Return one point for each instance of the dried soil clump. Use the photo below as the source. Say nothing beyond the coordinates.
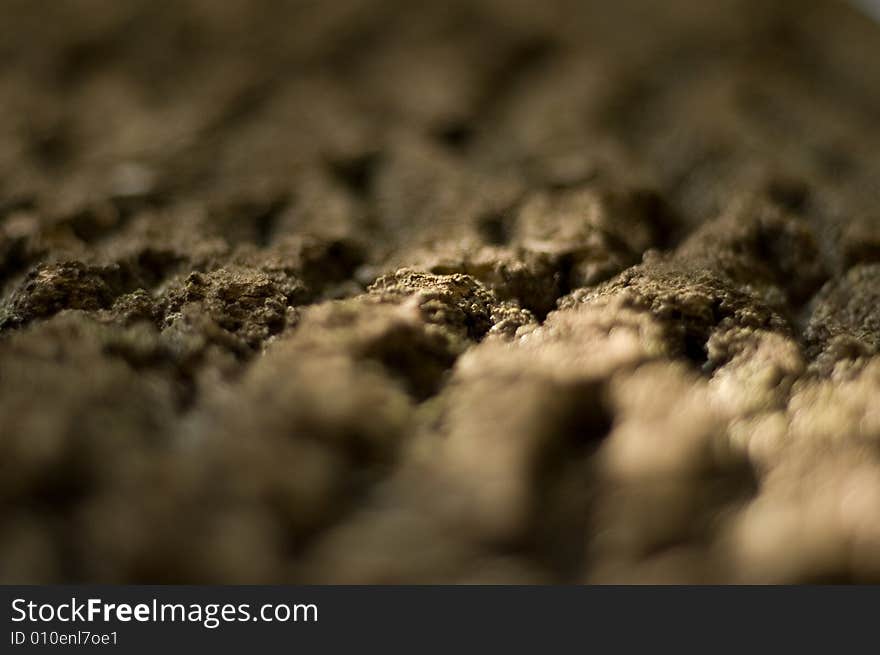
(470, 291)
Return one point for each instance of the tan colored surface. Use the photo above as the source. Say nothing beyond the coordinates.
(490, 291)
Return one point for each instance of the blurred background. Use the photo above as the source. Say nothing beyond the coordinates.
(871, 6)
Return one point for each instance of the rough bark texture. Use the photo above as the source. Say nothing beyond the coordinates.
(486, 291)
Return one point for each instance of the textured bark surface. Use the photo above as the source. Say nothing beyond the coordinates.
(485, 291)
